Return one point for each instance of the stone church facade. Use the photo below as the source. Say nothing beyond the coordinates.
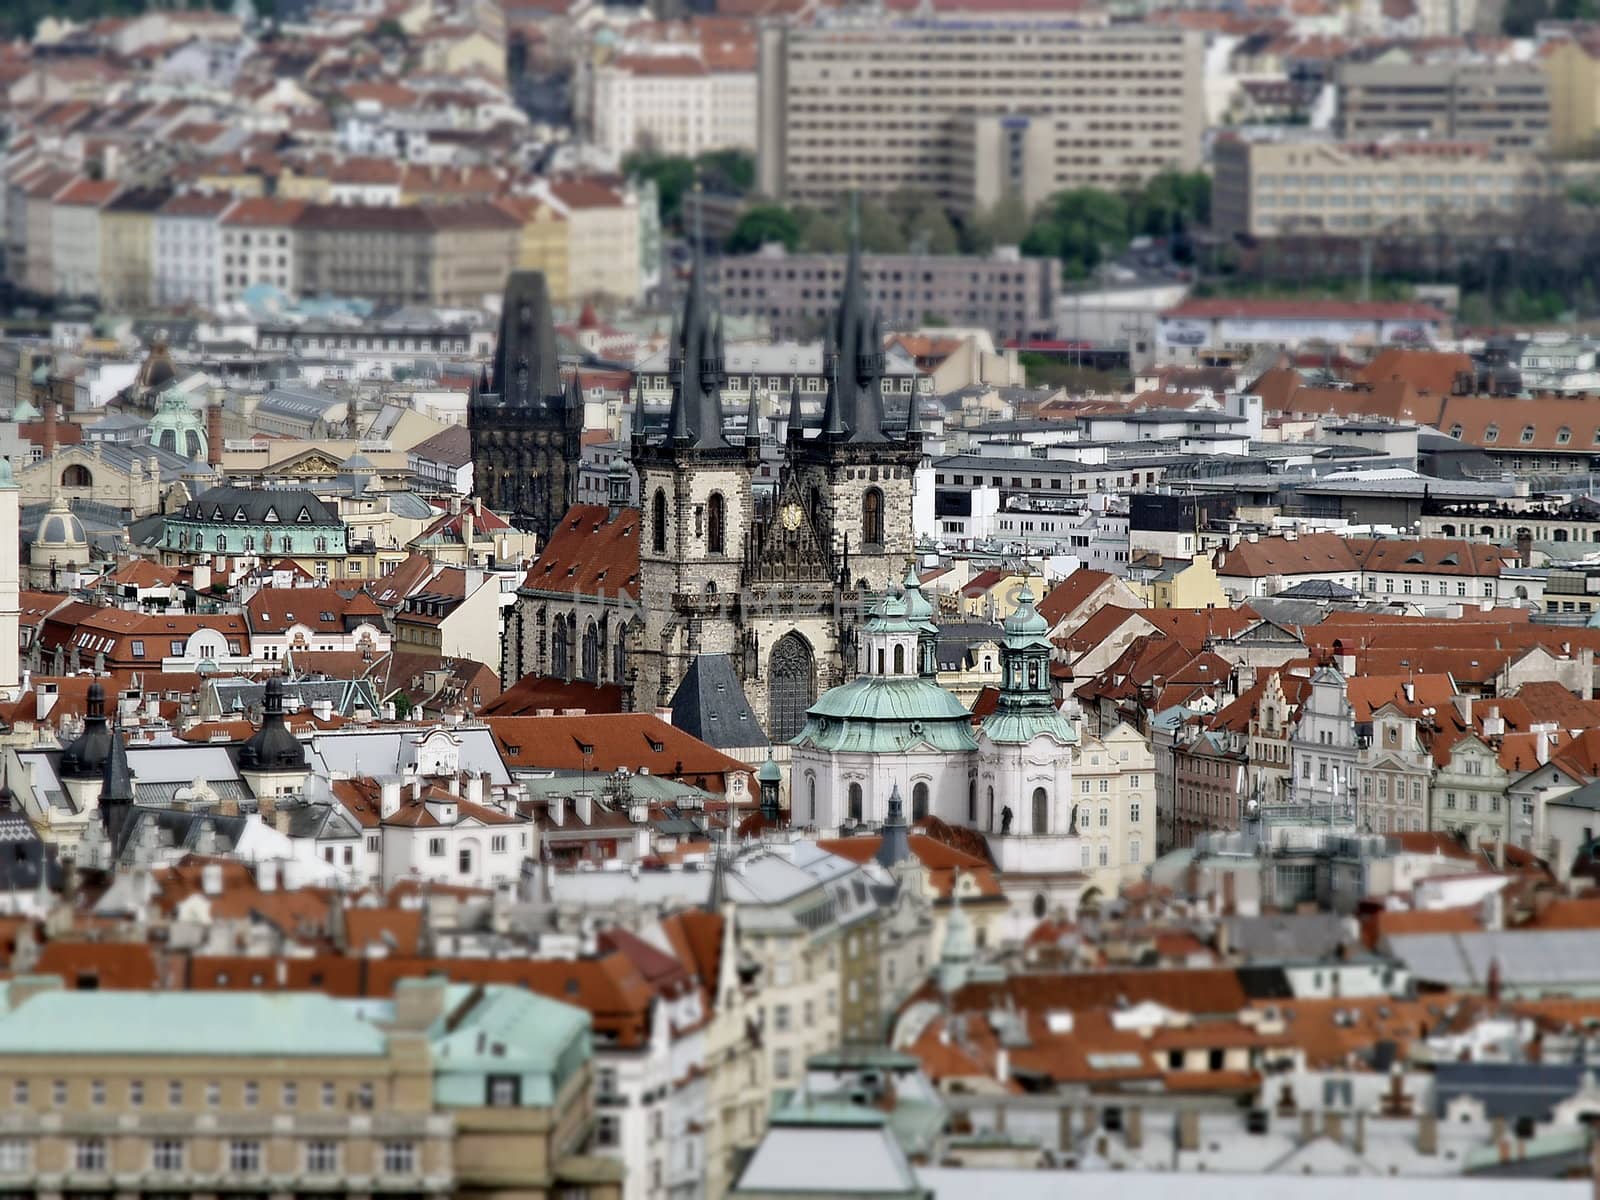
(526, 428)
(780, 586)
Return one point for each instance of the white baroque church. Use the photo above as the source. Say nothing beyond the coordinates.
(892, 728)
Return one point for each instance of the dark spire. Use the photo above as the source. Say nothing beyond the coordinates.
(696, 365)
(86, 757)
(273, 748)
(833, 425)
(796, 431)
(752, 421)
(116, 789)
(860, 369)
(527, 369)
(895, 846)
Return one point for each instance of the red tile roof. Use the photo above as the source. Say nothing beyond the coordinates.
(590, 553)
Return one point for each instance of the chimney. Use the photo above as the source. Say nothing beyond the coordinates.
(557, 810)
(1428, 1134)
(49, 426)
(267, 875)
(1410, 690)
(214, 433)
(1133, 1127)
(1541, 745)
(1525, 549)
(584, 807)
(1464, 708)
(1358, 1141)
(466, 532)
(211, 878)
(1308, 1126)
(1002, 1064)
(1188, 1130)
(388, 798)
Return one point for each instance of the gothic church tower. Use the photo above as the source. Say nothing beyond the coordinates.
(694, 491)
(526, 429)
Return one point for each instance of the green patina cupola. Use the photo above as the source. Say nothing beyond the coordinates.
(919, 611)
(1026, 707)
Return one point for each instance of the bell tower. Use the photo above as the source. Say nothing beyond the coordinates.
(695, 506)
(859, 469)
(526, 429)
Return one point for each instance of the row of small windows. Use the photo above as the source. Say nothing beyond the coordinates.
(92, 1154)
(285, 544)
(1491, 433)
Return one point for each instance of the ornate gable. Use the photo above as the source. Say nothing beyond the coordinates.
(786, 546)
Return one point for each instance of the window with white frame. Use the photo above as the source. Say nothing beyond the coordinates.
(15, 1154)
(89, 1154)
(399, 1158)
(244, 1156)
(322, 1158)
(166, 1154)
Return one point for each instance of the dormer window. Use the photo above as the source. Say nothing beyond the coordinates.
(272, 516)
(1491, 432)
(304, 518)
(1527, 433)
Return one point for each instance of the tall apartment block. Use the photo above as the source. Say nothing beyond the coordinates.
(1506, 105)
(969, 110)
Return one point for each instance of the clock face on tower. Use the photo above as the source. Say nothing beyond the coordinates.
(791, 517)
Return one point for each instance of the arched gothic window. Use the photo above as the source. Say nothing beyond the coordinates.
(792, 686)
(716, 520)
(872, 518)
(899, 660)
(919, 802)
(658, 522)
(1041, 811)
(591, 653)
(619, 657)
(561, 649)
(855, 802)
(972, 802)
(811, 793)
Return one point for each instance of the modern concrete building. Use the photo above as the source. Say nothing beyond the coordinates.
(1011, 296)
(971, 110)
(1282, 187)
(1504, 104)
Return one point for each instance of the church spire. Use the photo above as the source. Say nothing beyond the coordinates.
(860, 357)
(833, 425)
(696, 363)
(116, 791)
(796, 431)
(527, 369)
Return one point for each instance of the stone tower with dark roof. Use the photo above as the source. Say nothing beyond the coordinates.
(526, 427)
(776, 588)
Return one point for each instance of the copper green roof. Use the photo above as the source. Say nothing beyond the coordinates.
(1015, 728)
(880, 714)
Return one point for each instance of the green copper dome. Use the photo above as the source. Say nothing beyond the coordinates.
(882, 714)
(919, 610)
(1025, 627)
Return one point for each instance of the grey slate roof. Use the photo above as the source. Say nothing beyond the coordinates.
(254, 503)
(710, 704)
(1507, 1090)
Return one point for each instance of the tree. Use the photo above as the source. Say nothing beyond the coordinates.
(880, 231)
(762, 224)
(930, 230)
(821, 232)
(1005, 224)
(672, 175)
(732, 172)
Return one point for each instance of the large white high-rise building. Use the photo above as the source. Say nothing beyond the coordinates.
(972, 110)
